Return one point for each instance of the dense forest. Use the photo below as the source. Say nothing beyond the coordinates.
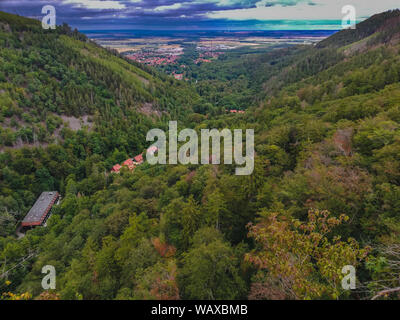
(325, 191)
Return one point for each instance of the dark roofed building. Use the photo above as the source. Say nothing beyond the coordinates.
(40, 211)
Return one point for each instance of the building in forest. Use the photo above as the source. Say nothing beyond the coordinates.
(138, 159)
(131, 164)
(41, 210)
(116, 168)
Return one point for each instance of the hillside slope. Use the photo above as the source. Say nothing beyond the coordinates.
(324, 194)
(303, 62)
(384, 26)
(46, 74)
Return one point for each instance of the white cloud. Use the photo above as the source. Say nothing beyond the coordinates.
(96, 4)
(305, 10)
(170, 7)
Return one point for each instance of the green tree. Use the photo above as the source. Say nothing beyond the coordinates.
(210, 269)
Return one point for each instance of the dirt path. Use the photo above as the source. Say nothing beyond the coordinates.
(18, 232)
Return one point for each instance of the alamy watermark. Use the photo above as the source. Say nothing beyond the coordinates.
(49, 280)
(349, 280)
(188, 153)
(350, 17)
(49, 20)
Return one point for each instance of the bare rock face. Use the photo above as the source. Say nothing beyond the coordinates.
(5, 27)
(342, 141)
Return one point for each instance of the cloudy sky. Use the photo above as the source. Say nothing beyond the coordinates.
(200, 14)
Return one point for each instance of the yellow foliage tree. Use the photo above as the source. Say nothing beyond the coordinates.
(302, 260)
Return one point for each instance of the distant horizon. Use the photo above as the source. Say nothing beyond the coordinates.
(210, 31)
(230, 26)
(228, 30)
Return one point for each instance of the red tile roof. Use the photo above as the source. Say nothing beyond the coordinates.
(178, 76)
(130, 164)
(236, 111)
(152, 149)
(116, 168)
(139, 158)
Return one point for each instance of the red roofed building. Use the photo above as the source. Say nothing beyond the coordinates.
(178, 76)
(236, 111)
(152, 150)
(138, 159)
(116, 168)
(130, 164)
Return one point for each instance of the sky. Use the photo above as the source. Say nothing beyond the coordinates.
(200, 14)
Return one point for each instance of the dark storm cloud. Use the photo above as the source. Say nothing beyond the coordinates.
(77, 11)
(130, 13)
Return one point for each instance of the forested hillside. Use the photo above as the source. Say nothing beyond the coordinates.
(325, 191)
(50, 77)
(384, 26)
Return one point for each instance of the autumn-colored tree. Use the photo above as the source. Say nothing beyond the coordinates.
(48, 295)
(163, 248)
(14, 296)
(302, 260)
(158, 282)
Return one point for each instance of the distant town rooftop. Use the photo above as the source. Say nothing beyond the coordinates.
(40, 210)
